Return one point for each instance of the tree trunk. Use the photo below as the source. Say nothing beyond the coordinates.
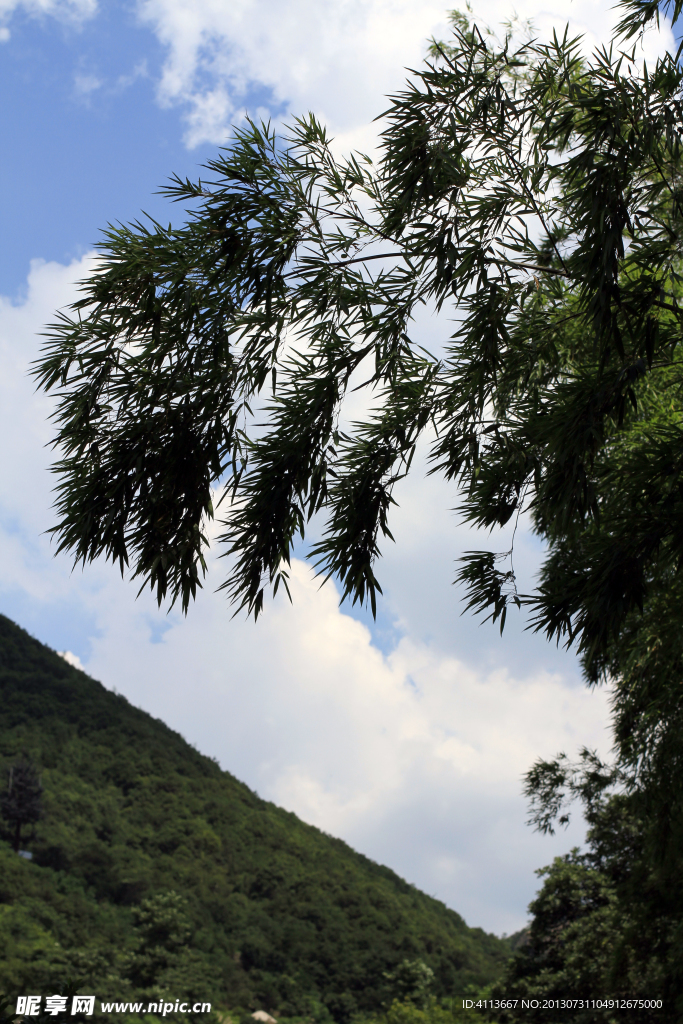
(17, 837)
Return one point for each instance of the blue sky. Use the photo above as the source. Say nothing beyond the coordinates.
(389, 734)
(89, 143)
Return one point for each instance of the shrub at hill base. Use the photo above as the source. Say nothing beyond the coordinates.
(606, 935)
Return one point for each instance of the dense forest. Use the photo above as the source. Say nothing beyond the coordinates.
(153, 871)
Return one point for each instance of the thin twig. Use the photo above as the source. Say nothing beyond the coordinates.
(389, 255)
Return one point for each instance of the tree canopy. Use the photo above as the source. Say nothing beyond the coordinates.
(21, 803)
(606, 920)
(534, 192)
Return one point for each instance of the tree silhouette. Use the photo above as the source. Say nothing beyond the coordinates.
(21, 804)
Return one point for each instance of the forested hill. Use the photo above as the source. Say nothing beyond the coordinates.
(155, 871)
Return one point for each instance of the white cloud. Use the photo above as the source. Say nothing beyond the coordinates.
(125, 81)
(87, 83)
(73, 11)
(414, 758)
(338, 58)
(335, 58)
(71, 659)
(26, 430)
(413, 754)
(84, 85)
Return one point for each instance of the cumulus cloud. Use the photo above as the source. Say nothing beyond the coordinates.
(413, 757)
(408, 740)
(338, 59)
(411, 749)
(71, 659)
(26, 430)
(36, 589)
(335, 58)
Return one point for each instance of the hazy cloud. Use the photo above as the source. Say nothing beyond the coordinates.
(85, 85)
(73, 11)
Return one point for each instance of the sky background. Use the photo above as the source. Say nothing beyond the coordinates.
(407, 737)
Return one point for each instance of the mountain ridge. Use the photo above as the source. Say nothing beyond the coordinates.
(246, 902)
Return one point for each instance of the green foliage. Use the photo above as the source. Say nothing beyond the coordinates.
(163, 960)
(7, 1013)
(539, 195)
(180, 329)
(406, 1011)
(155, 873)
(569, 951)
(536, 193)
(412, 980)
(21, 803)
(606, 923)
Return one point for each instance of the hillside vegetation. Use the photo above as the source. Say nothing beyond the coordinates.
(155, 871)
